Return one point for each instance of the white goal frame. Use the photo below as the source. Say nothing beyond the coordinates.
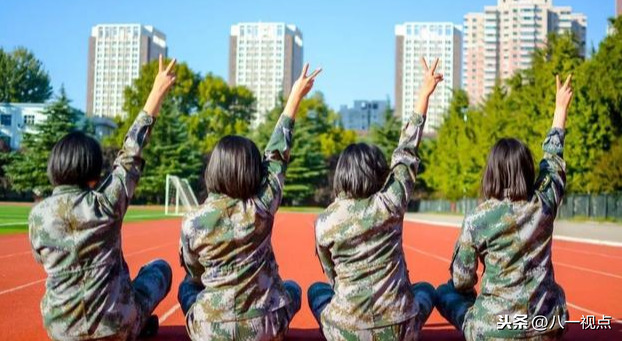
(184, 199)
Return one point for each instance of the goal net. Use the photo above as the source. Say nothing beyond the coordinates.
(179, 196)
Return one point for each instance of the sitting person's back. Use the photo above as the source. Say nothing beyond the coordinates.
(232, 288)
(76, 235)
(511, 234)
(359, 241)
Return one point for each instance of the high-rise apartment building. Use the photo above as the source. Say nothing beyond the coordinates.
(116, 53)
(430, 40)
(267, 59)
(363, 114)
(502, 39)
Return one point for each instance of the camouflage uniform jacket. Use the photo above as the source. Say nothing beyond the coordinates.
(76, 235)
(226, 244)
(359, 244)
(513, 241)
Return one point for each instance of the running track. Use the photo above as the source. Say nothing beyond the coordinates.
(591, 276)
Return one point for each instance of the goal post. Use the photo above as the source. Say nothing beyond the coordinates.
(179, 196)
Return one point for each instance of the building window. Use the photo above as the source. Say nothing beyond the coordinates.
(29, 120)
(5, 120)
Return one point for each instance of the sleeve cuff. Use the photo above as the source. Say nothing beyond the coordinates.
(554, 141)
(286, 122)
(144, 118)
(417, 119)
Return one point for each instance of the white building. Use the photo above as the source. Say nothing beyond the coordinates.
(363, 114)
(502, 39)
(267, 59)
(430, 40)
(116, 53)
(19, 118)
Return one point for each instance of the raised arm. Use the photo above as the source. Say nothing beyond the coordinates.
(119, 186)
(279, 146)
(404, 162)
(552, 178)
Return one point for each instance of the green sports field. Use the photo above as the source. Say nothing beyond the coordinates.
(14, 217)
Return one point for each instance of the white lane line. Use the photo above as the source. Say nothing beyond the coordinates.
(15, 254)
(570, 304)
(587, 252)
(596, 314)
(580, 268)
(19, 287)
(148, 249)
(19, 223)
(169, 312)
(443, 259)
(28, 252)
(588, 241)
(556, 237)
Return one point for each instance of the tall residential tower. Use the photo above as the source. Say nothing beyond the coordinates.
(431, 40)
(116, 53)
(267, 59)
(502, 39)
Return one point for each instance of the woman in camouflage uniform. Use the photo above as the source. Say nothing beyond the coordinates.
(232, 290)
(76, 235)
(359, 241)
(511, 234)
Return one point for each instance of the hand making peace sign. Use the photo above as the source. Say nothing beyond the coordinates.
(430, 78)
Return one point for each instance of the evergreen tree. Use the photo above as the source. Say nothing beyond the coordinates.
(23, 77)
(387, 135)
(317, 138)
(170, 151)
(28, 169)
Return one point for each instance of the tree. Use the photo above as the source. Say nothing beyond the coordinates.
(606, 175)
(23, 77)
(522, 107)
(223, 110)
(170, 151)
(5, 159)
(182, 97)
(28, 169)
(306, 180)
(387, 135)
(451, 161)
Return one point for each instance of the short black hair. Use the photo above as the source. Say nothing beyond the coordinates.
(361, 171)
(510, 171)
(234, 168)
(76, 159)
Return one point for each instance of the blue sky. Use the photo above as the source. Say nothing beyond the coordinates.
(352, 40)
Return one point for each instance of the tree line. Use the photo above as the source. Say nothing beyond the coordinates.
(522, 107)
(203, 108)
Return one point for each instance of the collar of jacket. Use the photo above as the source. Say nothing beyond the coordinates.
(61, 189)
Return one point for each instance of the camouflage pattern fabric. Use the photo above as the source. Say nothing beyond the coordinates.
(272, 326)
(76, 235)
(513, 241)
(359, 244)
(226, 246)
(320, 294)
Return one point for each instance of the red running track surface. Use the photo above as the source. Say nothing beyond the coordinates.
(591, 276)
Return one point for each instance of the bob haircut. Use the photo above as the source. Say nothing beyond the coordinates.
(509, 171)
(75, 160)
(361, 171)
(234, 168)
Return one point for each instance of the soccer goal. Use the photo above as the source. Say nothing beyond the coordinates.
(179, 196)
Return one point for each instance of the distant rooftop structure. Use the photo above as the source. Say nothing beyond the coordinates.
(363, 114)
(19, 118)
